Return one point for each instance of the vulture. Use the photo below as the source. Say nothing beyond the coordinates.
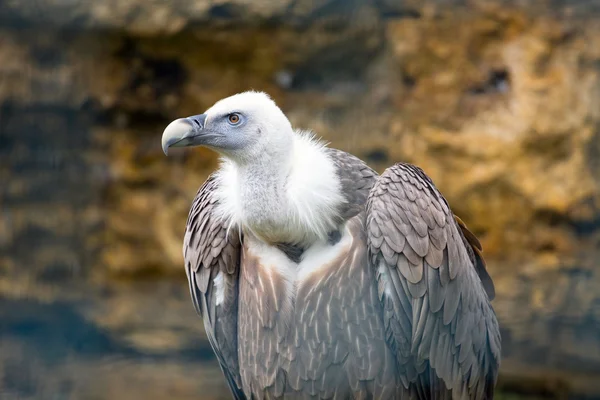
(316, 277)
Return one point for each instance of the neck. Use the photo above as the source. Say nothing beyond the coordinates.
(262, 193)
(289, 197)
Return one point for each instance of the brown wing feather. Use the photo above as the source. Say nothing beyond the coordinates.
(209, 249)
(432, 282)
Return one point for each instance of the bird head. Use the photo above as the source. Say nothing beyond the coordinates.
(243, 127)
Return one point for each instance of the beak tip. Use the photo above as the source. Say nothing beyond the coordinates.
(174, 132)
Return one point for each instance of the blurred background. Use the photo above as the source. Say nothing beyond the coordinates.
(498, 101)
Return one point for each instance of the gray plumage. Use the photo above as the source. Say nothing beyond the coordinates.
(208, 251)
(399, 306)
(429, 333)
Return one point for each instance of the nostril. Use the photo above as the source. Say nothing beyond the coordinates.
(195, 123)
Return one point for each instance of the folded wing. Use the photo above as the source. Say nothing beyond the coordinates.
(212, 262)
(434, 288)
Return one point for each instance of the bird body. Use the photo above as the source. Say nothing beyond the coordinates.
(317, 278)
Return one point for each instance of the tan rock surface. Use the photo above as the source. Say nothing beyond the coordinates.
(499, 102)
(501, 111)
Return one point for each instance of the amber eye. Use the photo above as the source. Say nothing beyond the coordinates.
(233, 118)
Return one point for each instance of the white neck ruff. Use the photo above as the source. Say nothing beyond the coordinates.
(293, 200)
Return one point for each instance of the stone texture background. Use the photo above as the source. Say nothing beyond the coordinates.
(498, 101)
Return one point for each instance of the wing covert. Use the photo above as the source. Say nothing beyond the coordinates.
(212, 260)
(356, 179)
(432, 283)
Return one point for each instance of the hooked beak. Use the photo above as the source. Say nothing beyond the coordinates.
(184, 132)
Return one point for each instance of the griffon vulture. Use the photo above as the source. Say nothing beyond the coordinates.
(318, 278)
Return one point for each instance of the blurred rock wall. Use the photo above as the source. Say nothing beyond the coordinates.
(497, 101)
